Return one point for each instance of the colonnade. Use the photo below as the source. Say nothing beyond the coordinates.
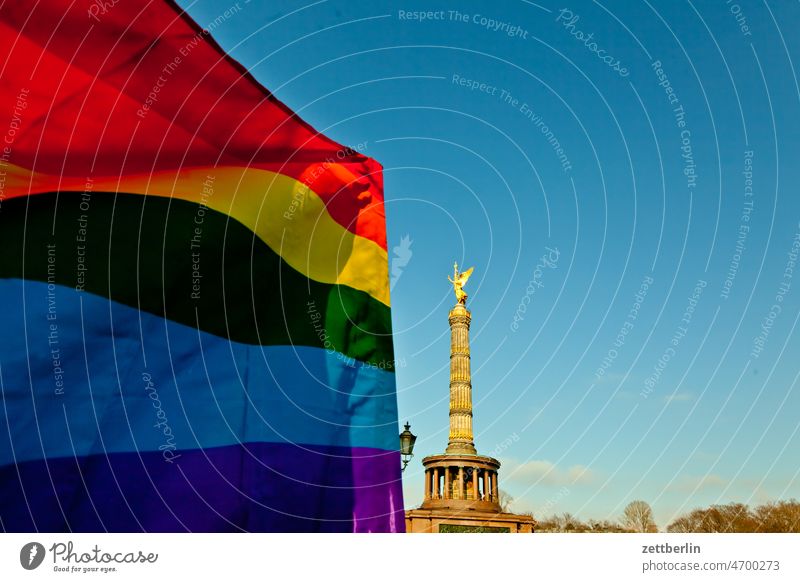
(459, 482)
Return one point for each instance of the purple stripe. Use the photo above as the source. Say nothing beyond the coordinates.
(251, 487)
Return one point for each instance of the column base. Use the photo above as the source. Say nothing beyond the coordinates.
(460, 449)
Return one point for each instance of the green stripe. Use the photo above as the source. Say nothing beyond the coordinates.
(158, 246)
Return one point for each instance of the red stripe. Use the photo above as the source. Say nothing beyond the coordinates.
(142, 88)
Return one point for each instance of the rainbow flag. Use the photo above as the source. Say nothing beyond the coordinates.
(195, 330)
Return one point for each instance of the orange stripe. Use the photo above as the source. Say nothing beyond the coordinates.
(286, 214)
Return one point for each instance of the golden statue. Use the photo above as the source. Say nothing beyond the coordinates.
(458, 281)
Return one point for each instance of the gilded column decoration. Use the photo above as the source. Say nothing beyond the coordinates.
(460, 439)
(464, 490)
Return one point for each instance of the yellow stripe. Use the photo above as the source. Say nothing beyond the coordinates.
(283, 212)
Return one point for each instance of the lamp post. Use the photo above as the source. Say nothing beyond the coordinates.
(407, 441)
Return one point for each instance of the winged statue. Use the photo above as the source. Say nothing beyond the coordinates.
(458, 281)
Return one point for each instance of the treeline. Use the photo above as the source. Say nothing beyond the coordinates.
(772, 517)
(637, 517)
(568, 523)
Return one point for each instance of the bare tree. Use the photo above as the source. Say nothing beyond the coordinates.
(773, 517)
(638, 517)
(684, 524)
(605, 526)
(548, 524)
(778, 517)
(736, 518)
(568, 523)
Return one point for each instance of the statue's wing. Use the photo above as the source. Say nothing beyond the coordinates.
(464, 277)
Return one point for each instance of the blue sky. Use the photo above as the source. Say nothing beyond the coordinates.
(649, 152)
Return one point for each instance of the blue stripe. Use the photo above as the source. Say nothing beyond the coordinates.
(83, 375)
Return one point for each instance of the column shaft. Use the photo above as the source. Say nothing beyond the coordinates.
(427, 484)
(461, 438)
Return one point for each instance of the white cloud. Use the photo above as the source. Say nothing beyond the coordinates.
(610, 378)
(546, 472)
(692, 484)
(679, 397)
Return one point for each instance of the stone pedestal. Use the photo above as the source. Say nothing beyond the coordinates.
(450, 521)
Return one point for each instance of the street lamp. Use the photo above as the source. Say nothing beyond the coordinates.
(407, 441)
